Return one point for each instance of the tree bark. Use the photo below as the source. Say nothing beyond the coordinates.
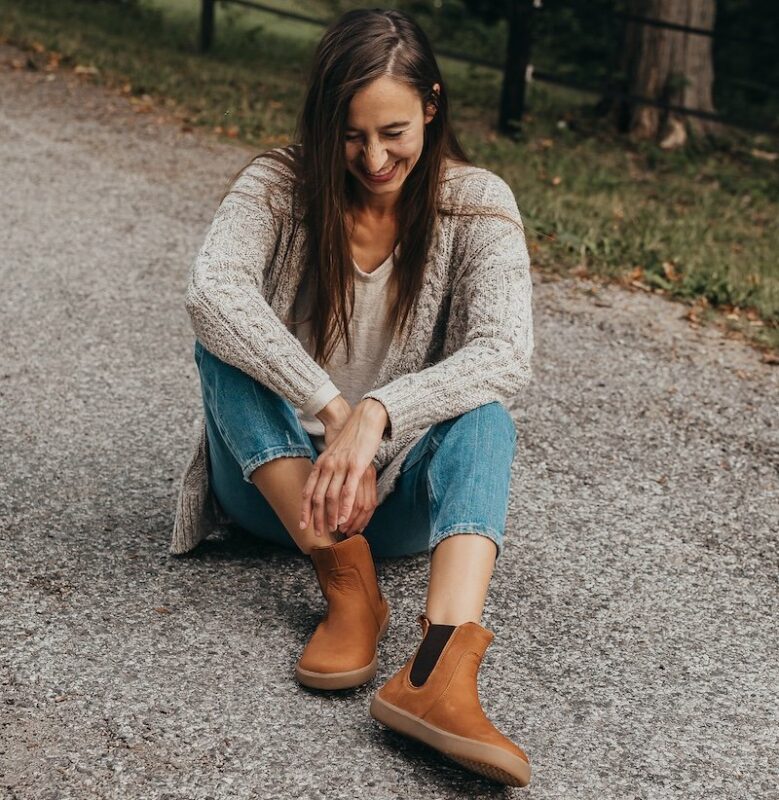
(669, 66)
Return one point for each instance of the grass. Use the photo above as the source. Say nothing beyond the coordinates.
(696, 225)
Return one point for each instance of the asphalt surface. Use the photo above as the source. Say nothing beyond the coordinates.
(634, 610)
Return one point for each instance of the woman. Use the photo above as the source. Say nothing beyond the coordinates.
(362, 308)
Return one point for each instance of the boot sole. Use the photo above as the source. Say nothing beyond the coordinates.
(343, 680)
(493, 762)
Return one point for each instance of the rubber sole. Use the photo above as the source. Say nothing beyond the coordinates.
(343, 680)
(493, 762)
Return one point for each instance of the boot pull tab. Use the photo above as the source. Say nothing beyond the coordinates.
(425, 624)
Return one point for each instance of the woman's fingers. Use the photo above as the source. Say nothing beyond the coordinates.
(348, 493)
(306, 510)
(332, 499)
(350, 526)
(364, 506)
(368, 501)
(314, 494)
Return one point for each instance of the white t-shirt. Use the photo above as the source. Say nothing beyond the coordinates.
(370, 338)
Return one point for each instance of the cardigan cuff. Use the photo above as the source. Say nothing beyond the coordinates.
(321, 397)
(399, 419)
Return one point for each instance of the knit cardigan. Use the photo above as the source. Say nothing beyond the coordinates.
(470, 340)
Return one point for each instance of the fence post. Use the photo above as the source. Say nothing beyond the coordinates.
(512, 96)
(206, 24)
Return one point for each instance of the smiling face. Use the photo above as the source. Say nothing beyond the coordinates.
(385, 133)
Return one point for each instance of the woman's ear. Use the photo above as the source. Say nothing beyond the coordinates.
(431, 109)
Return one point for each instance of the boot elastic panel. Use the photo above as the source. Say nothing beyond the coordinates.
(434, 642)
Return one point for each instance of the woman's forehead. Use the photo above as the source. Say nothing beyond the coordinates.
(382, 103)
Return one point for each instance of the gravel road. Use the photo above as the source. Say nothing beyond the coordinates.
(635, 609)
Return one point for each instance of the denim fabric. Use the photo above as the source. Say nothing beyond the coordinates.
(455, 479)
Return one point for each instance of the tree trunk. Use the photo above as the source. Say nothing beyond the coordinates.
(671, 67)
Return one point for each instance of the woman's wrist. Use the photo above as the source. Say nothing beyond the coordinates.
(377, 411)
(337, 410)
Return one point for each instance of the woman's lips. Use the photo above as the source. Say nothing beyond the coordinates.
(382, 178)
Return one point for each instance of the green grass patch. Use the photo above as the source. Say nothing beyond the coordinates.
(698, 225)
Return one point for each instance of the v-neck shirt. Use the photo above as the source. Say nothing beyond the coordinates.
(370, 339)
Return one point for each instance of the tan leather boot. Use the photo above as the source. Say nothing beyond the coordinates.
(445, 712)
(342, 651)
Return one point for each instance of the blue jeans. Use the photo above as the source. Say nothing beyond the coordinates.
(455, 479)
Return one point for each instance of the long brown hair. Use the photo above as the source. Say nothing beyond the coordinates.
(359, 47)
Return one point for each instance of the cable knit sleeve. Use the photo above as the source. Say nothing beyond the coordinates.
(491, 360)
(224, 296)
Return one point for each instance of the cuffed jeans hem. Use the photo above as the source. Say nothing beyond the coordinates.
(268, 454)
(465, 527)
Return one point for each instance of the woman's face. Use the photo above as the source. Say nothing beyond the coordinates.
(385, 132)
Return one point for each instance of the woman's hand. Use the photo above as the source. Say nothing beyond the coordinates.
(343, 477)
(364, 504)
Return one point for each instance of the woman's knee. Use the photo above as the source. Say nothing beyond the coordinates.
(256, 423)
(225, 384)
(488, 426)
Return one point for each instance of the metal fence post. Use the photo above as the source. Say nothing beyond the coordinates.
(512, 95)
(206, 24)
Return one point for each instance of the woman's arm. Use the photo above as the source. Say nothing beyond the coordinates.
(224, 296)
(493, 295)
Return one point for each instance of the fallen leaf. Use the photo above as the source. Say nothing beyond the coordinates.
(53, 62)
(670, 271)
(162, 610)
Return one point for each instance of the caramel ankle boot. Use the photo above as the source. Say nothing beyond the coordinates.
(342, 650)
(445, 712)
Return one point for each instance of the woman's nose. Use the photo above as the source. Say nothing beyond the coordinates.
(375, 157)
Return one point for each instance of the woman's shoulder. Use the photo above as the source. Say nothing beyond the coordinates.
(478, 202)
(271, 177)
(276, 165)
(472, 185)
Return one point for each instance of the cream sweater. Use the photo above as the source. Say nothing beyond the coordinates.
(470, 342)
(370, 338)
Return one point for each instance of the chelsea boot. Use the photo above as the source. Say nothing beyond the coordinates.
(342, 651)
(445, 713)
